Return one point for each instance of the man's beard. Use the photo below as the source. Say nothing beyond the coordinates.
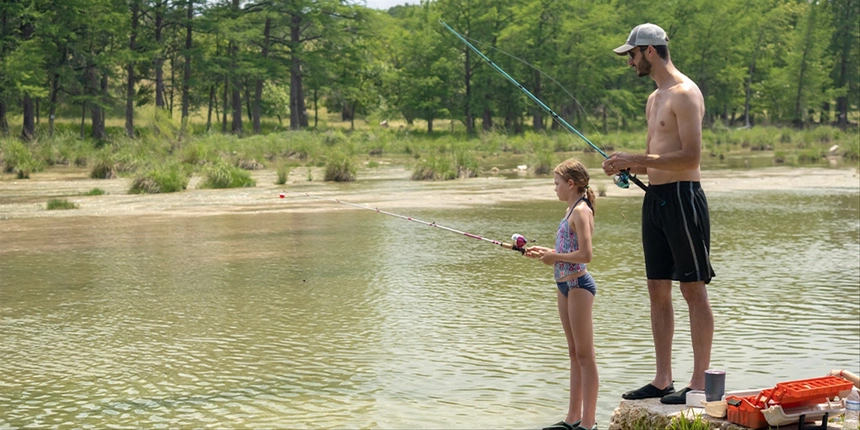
(643, 68)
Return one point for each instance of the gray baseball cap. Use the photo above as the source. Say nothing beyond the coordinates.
(643, 35)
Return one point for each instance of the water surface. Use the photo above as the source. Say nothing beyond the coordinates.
(352, 319)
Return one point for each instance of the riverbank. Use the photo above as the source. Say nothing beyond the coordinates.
(389, 188)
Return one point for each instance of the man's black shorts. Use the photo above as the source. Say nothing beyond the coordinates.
(676, 232)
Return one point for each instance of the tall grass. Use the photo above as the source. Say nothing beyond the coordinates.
(223, 175)
(441, 155)
(340, 167)
(60, 204)
(169, 178)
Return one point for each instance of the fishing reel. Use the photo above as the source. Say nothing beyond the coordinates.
(519, 243)
(622, 179)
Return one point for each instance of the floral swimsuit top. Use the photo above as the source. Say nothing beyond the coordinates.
(566, 241)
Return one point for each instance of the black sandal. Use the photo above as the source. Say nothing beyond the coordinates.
(677, 398)
(648, 392)
(561, 425)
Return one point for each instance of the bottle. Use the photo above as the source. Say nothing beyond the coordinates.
(852, 411)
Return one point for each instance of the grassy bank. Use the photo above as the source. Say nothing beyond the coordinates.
(160, 154)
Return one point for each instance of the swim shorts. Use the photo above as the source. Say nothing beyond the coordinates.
(676, 232)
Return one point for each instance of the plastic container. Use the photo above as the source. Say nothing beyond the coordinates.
(695, 398)
(815, 390)
(852, 411)
(778, 415)
(745, 411)
(716, 409)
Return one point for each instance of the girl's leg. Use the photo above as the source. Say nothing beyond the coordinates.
(574, 411)
(579, 306)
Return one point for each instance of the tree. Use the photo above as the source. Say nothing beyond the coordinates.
(845, 48)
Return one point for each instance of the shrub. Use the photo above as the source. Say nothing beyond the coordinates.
(544, 162)
(104, 166)
(60, 204)
(166, 179)
(223, 175)
(434, 168)
(95, 192)
(340, 168)
(283, 173)
(17, 158)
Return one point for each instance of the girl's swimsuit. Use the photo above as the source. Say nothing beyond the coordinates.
(566, 241)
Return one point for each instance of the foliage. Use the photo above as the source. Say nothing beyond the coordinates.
(223, 175)
(685, 422)
(60, 204)
(93, 64)
(17, 158)
(283, 172)
(95, 192)
(169, 178)
(340, 167)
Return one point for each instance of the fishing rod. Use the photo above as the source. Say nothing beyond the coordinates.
(621, 179)
(519, 241)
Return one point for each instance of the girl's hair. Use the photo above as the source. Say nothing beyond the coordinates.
(575, 170)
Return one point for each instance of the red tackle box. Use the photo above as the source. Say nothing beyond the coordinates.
(746, 411)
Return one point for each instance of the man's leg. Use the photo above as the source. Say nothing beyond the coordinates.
(701, 329)
(662, 329)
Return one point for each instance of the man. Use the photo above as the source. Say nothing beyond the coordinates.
(675, 220)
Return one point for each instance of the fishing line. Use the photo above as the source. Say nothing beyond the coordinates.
(519, 241)
(622, 179)
(544, 74)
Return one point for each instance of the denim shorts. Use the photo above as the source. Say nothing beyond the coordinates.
(586, 282)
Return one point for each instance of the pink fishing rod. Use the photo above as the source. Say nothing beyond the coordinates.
(519, 242)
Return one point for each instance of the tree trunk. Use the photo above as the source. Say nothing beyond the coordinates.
(316, 108)
(258, 84)
(52, 109)
(236, 127)
(186, 75)
(83, 119)
(4, 123)
(846, 31)
(298, 115)
(211, 105)
(129, 89)
(798, 99)
(248, 102)
(470, 121)
(170, 97)
(748, 89)
(159, 61)
(430, 125)
(98, 113)
(28, 131)
(225, 105)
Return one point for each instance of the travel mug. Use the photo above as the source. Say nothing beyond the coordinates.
(715, 385)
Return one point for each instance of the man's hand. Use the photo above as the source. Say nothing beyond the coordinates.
(616, 162)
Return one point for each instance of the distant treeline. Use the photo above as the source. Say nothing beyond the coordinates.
(232, 62)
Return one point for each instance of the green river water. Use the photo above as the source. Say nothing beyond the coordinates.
(236, 309)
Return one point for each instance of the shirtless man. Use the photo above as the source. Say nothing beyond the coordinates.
(675, 220)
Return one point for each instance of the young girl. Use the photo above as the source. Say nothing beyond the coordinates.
(576, 291)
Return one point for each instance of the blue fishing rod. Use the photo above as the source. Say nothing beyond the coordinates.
(622, 179)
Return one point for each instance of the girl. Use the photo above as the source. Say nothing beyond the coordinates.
(576, 290)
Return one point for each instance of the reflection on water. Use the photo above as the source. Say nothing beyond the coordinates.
(351, 319)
